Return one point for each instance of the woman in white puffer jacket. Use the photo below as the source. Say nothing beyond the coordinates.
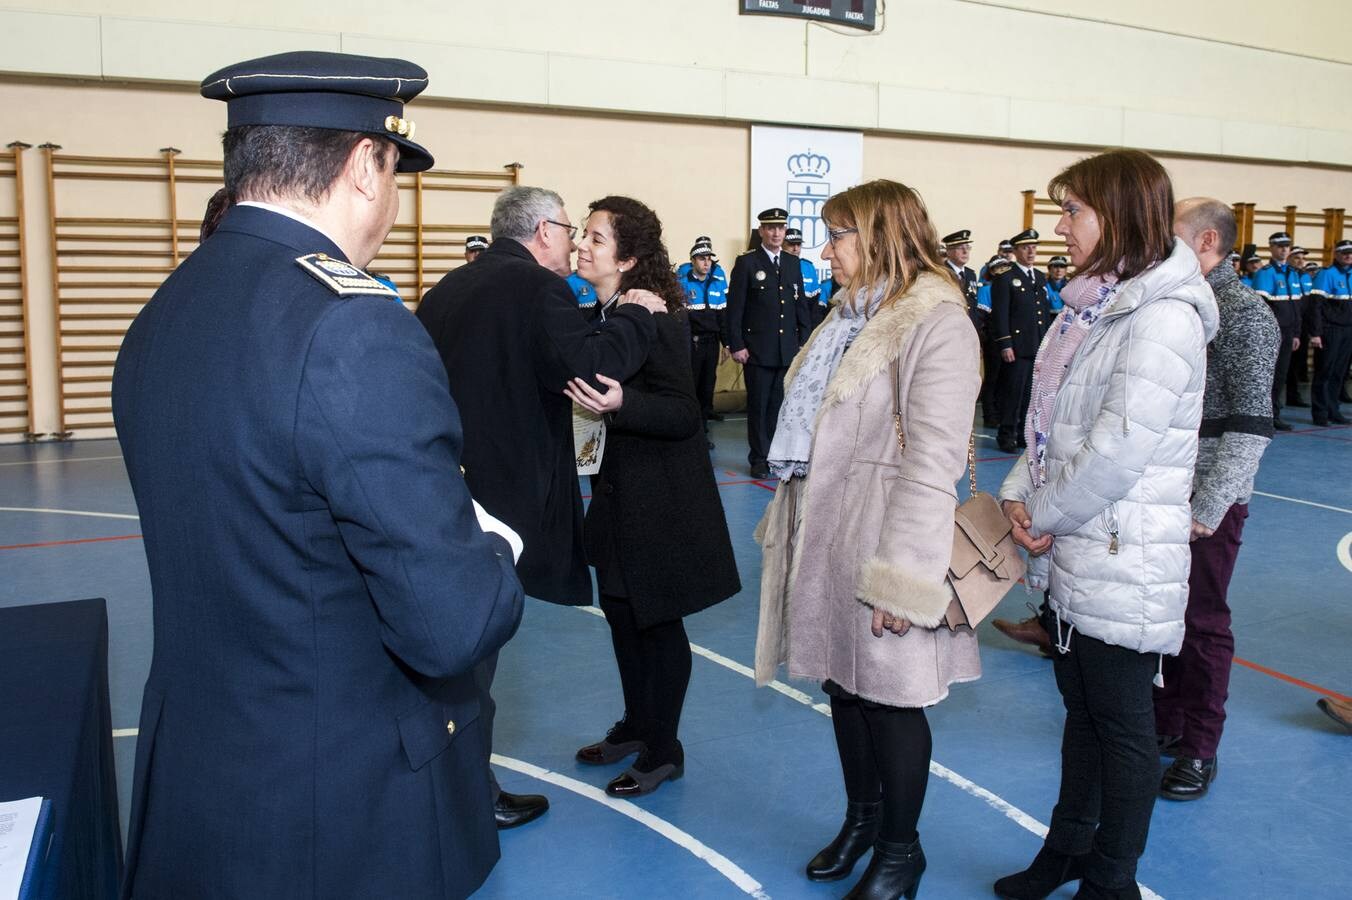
(1103, 491)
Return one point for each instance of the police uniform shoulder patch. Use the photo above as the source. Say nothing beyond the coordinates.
(1000, 269)
(343, 278)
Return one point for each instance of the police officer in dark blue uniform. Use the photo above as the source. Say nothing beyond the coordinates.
(706, 298)
(1331, 332)
(768, 320)
(322, 585)
(818, 300)
(474, 245)
(957, 249)
(1283, 287)
(1020, 318)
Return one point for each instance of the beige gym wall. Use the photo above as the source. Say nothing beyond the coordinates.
(694, 172)
(1215, 77)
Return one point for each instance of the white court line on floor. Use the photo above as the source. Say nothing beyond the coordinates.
(1302, 502)
(683, 839)
(1345, 551)
(724, 866)
(1004, 807)
(69, 512)
(48, 462)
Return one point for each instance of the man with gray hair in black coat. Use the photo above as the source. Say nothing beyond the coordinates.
(511, 336)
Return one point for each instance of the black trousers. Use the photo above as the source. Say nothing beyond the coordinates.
(488, 709)
(1279, 374)
(884, 755)
(1110, 769)
(654, 664)
(1015, 384)
(990, 373)
(704, 366)
(1299, 370)
(1330, 371)
(764, 395)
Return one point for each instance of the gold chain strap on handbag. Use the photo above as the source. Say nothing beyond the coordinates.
(985, 563)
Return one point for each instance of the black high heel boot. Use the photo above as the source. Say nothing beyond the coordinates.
(834, 861)
(893, 872)
(1090, 891)
(1048, 872)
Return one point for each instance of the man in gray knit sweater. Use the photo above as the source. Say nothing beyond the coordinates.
(1236, 428)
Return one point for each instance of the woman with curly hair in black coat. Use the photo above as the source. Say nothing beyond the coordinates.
(655, 530)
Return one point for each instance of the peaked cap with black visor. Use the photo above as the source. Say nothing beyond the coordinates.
(315, 89)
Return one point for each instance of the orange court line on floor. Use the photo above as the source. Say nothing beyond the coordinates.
(119, 537)
(1281, 676)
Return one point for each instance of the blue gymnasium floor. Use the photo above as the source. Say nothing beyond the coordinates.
(762, 790)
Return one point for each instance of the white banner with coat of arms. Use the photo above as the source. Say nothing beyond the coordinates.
(798, 169)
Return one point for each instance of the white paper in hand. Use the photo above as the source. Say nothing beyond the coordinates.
(496, 526)
(18, 819)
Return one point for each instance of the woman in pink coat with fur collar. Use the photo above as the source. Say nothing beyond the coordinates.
(858, 540)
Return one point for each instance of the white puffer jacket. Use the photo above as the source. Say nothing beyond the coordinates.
(1119, 462)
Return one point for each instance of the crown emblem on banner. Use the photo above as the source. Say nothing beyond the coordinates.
(809, 165)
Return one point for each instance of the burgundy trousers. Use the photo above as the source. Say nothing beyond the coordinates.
(1197, 681)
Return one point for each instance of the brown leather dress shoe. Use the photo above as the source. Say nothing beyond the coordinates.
(1339, 711)
(1029, 631)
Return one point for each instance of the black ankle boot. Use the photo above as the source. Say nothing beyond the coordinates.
(1048, 872)
(834, 861)
(1091, 891)
(893, 872)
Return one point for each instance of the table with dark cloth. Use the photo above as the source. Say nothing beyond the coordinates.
(56, 740)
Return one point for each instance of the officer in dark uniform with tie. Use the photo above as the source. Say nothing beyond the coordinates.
(1020, 316)
(768, 320)
(957, 249)
(322, 586)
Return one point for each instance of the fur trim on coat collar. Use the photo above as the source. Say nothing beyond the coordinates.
(884, 337)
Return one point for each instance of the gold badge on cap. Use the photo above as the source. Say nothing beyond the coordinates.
(402, 127)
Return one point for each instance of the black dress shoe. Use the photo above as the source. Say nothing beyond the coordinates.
(1338, 419)
(620, 741)
(760, 470)
(715, 417)
(1320, 423)
(1188, 778)
(1281, 425)
(1048, 872)
(1007, 446)
(512, 810)
(834, 861)
(633, 782)
(893, 871)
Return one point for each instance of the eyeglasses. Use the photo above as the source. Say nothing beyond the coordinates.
(839, 233)
(571, 229)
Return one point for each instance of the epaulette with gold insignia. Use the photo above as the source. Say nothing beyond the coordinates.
(343, 278)
(998, 269)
